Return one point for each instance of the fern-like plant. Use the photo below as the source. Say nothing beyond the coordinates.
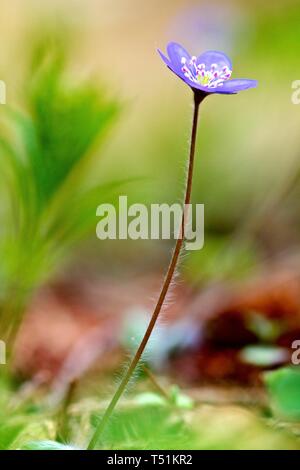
(48, 152)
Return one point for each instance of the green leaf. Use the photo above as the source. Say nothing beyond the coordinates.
(9, 432)
(283, 386)
(49, 157)
(147, 426)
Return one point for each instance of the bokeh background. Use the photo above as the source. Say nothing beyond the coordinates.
(247, 156)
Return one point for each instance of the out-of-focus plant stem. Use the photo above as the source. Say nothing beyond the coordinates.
(165, 288)
(63, 428)
(11, 314)
(156, 384)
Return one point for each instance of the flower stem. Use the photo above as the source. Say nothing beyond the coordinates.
(168, 279)
(63, 428)
(156, 384)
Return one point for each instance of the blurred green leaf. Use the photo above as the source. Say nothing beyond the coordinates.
(150, 426)
(49, 157)
(177, 399)
(283, 386)
(150, 399)
(264, 328)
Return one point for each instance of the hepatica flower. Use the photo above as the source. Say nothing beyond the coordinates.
(208, 73)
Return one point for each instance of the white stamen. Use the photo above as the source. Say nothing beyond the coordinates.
(212, 78)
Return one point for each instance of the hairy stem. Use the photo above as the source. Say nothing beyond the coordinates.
(167, 281)
(155, 383)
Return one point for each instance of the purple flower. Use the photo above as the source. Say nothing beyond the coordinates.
(209, 73)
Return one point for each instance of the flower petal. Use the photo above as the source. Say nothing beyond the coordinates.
(176, 52)
(164, 58)
(236, 85)
(174, 62)
(176, 69)
(214, 57)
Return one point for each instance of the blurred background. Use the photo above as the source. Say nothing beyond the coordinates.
(92, 113)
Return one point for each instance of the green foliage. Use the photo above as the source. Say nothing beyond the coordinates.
(266, 329)
(151, 421)
(146, 420)
(283, 386)
(143, 421)
(149, 426)
(47, 156)
(20, 423)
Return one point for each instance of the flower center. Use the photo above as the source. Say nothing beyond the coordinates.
(210, 78)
